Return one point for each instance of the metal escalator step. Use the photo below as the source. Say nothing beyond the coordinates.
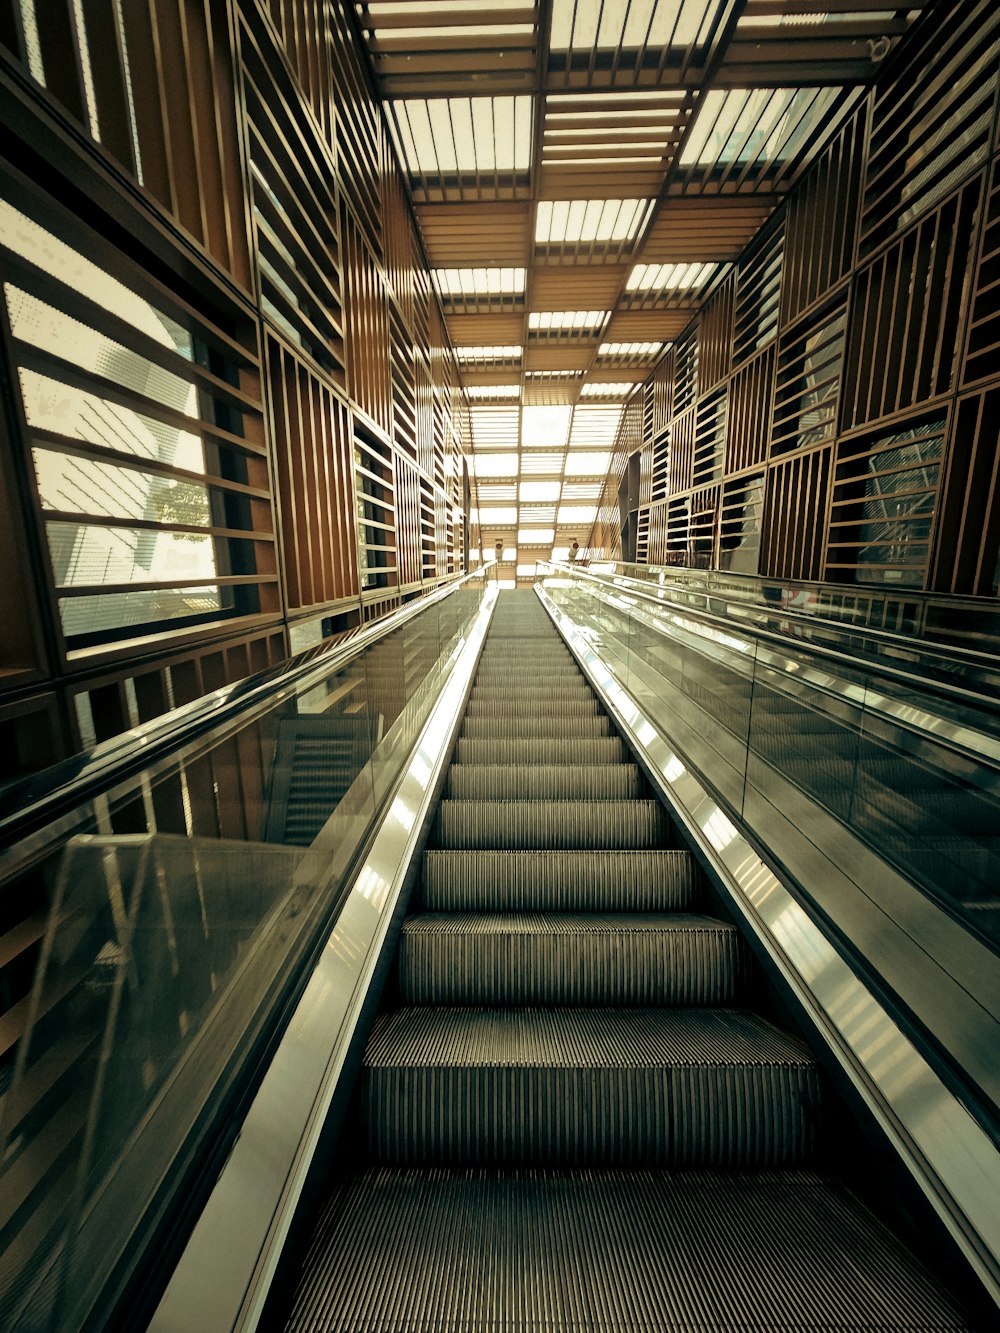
(578, 689)
(545, 750)
(564, 881)
(550, 824)
(605, 782)
(616, 1251)
(518, 705)
(526, 959)
(503, 725)
(587, 1086)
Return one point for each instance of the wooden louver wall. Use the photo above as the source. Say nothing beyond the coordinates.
(850, 362)
(223, 354)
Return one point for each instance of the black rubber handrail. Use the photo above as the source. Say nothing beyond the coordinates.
(932, 648)
(965, 697)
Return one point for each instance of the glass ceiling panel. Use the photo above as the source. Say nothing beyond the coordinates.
(541, 465)
(569, 222)
(498, 516)
(763, 125)
(586, 463)
(535, 536)
(629, 349)
(545, 427)
(608, 24)
(450, 136)
(594, 425)
(496, 465)
(576, 514)
(669, 277)
(470, 356)
(606, 390)
(465, 282)
(567, 319)
(539, 490)
(489, 392)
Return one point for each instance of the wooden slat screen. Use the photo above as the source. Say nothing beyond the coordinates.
(982, 354)
(933, 124)
(969, 546)
(750, 398)
(314, 467)
(795, 508)
(906, 309)
(758, 291)
(710, 426)
(367, 326)
(884, 502)
(715, 334)
(821, 221)
(295, 217)
(807, 383)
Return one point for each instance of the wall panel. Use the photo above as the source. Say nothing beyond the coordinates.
(314, 474)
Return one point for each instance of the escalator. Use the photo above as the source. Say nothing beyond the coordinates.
(568, 1117)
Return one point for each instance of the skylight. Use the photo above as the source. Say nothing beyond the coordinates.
(492, 426)
(570, 222)
(594, 426)
(760, 125)
(539, 490)
(619, 390)
(501, 516)
(496, 465)
(484, 282)
(629, 349)
(541, 465)
(584, 320)
(464, 135)
(639, 24)
(545, 427)
(535, 536)
(668, 277)
(468, 356)
(493, 391)
(587, 463)
(569, 514)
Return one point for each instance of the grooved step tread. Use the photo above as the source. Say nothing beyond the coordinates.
(541, 750)
(589, 782)
(589, 1086)
(550, 824)
(596, 1037)
(594, 959)
(558, 881)
(506, 725)
(438, 1251)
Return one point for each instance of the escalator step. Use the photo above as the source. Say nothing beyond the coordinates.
(521, 706)
(569, 959)
(546, 750)
(484, 782)
(500, 672)
(501, 726)
(587, 1086)
(616, 1251)
(565, 881)
(578, 689)
(551, 824)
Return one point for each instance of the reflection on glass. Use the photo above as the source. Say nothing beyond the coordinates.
(175, 910)
(53, 406)
(61, 335)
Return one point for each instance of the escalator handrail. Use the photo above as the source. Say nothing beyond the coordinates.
(935, 652)
(27, 805)
(918, 684)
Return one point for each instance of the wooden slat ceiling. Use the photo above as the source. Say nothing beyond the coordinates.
(583, 172)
